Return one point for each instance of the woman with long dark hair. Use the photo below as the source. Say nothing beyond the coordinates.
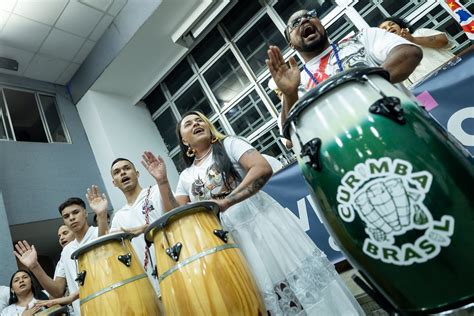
(23, 295)
(293, 275)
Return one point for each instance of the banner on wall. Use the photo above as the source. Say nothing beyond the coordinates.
(449, 98)
(289, 188)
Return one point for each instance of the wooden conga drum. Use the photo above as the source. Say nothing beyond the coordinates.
(112, 280)
(200, 269)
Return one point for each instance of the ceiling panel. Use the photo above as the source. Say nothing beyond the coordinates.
(3, 18)
(101, 27)
(62, 32)
(61, 44)
(101, 5)
(7, 5)
(42, 11)
(22, 56)
(78, 19)
(24, 33)
(46, 68)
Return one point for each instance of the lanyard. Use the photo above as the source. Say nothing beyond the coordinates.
(338, 61)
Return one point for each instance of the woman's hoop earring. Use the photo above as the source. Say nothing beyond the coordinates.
(214, 140)
(190, 152)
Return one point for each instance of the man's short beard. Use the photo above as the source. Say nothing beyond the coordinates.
(308, 48)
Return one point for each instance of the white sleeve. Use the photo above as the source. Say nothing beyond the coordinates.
(59, 271)
(379, 43)
(236, 147)
(8, 311)
(429, 32)
(181, 187)
(4, 296)
(115, 221)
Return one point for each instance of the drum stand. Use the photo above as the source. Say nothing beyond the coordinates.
(372, 291)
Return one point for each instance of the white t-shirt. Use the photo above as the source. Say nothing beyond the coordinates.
(4, 296)
(59, 271)
(432, 57)
(205, 182)
(69, 270)
(130, 216)
(368, 48)
(14, 310)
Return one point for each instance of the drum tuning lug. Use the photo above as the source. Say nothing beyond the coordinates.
(174, 251)
(222, 234)
(389, 107)
(310, 153)
(81, 276)
(126, 259)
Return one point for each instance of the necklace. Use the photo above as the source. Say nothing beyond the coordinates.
(203, 156)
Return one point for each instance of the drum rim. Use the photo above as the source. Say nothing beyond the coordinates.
(164, 219)
(328, 85)
(99, 240)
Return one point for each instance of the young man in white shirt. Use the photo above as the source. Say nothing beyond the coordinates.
(74, 214)
(132, 217)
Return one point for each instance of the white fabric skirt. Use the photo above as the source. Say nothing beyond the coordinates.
(293, 275)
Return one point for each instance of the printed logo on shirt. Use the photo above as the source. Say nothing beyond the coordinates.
(150, 206)
(351, 52)
(214, 185)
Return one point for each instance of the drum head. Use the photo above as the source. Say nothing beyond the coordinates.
(94, 243)
(328, 85)
(179, 212)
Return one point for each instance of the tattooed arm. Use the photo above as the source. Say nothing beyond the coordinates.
(434, 41)
(258, 173)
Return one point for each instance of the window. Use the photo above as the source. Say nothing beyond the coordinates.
(226, 78)
(225, 75)
(207, 47)
(155, 100)
(194, 99)
(248, 115)
(178, 77)
(254, 43)
(28, 116)
(51, 114)
(166, 124)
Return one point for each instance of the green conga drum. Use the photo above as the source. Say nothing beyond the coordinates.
(395, 191)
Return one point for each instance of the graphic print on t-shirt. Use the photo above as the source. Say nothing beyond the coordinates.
(213, 185)
(150, 206)
(351, 53)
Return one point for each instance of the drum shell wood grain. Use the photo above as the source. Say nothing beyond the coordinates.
(103, 269)
(219, 283)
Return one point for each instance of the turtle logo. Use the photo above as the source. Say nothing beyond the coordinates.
(388, 197)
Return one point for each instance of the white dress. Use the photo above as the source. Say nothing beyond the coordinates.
(293, 275)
